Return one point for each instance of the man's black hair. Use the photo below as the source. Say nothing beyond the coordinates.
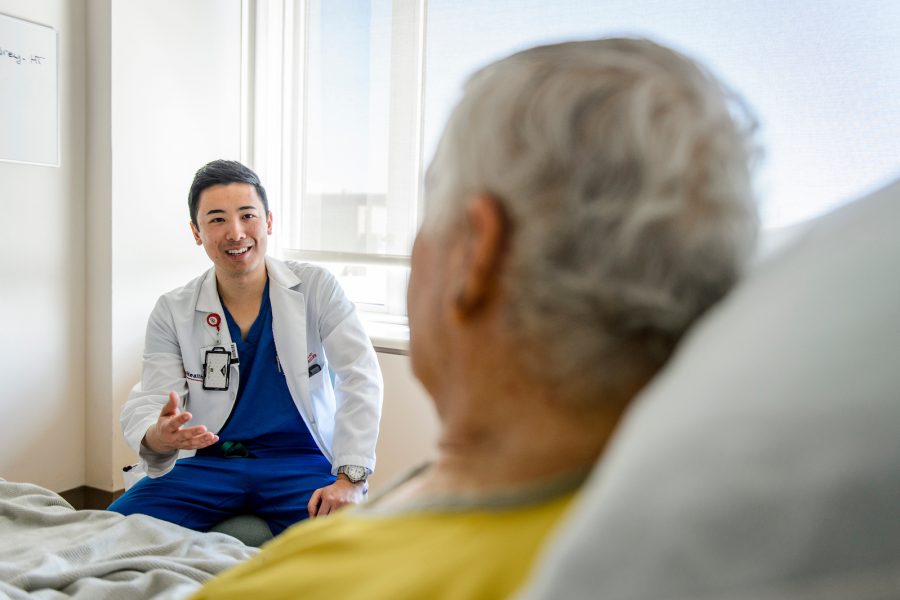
(223, 172)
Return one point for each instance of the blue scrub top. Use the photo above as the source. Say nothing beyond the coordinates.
(264, 418)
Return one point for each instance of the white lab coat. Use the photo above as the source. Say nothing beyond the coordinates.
(311, 320)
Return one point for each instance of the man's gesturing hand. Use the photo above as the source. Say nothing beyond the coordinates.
(169, 433)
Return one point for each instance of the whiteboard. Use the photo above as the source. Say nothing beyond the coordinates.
(29, 95)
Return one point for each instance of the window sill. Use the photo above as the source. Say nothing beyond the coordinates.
(387, 338)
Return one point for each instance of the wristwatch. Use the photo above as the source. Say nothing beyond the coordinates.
(354, 473)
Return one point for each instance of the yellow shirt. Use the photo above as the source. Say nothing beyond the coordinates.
(429, 554)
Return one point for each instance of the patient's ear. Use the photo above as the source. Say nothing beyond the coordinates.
(484, 246)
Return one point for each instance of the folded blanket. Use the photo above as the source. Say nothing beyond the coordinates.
(49, 550)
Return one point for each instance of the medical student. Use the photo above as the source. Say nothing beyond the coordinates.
(236, 412)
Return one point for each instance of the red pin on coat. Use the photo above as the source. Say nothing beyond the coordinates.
(213, 320)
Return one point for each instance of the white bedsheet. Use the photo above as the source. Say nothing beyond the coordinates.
(48, 550)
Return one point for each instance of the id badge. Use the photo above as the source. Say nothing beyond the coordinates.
(216, 369)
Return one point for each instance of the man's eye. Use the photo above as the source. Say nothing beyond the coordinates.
(217, 220)
(249, 216)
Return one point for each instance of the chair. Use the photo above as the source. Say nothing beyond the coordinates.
(250, 529)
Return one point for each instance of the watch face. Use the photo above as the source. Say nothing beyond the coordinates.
(354, 473)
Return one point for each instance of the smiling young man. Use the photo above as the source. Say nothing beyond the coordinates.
(236, 412)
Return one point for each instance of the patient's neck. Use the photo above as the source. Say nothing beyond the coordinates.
(509, 444)
(505, 426)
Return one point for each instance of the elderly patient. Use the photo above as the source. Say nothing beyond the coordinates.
(587, 202)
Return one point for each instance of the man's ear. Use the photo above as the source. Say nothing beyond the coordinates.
(269, 222)
(196, 234)
(484, 246)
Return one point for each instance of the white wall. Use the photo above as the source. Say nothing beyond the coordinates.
(409, 424)
(42, 271)
(98, 310)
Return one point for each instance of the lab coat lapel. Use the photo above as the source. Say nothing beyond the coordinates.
(289, 331)
(208, 302)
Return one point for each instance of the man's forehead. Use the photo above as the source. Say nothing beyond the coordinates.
(231, 196)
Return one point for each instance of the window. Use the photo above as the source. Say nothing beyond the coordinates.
(336, 88)
(350, 96)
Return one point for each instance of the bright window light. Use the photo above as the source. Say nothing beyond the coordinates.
(366, 87)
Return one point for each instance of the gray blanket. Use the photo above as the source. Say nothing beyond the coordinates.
(48, 550)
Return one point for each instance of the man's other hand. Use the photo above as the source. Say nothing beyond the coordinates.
(328, 499)
(169, 433)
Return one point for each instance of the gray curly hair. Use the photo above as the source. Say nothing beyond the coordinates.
(624, 169)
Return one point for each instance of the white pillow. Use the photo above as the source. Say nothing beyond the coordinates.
(764, 462)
